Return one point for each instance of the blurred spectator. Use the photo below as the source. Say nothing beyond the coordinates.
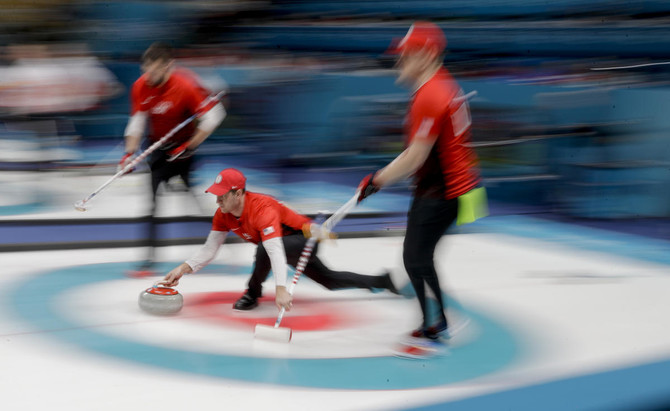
(36, 20)
(47, 79)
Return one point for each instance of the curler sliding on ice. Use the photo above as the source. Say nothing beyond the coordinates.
(283, 237)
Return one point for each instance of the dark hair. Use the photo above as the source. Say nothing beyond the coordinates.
(157, 51)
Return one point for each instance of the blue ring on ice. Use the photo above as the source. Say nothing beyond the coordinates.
(34, 300)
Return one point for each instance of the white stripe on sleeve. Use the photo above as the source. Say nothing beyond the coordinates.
(136, 124)
(208, 251)
(212, 118)
(275, 250)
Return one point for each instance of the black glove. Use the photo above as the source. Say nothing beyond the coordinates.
(367, 187)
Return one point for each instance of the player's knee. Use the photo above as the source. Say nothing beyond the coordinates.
(419, 267)
(416, 258)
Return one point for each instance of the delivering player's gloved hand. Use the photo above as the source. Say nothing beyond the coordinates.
(181, 151)
(317, 231)
(367, 187)
(125, 160)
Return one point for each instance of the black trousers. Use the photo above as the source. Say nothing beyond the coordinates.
(162, 171)
(428, 219)
(315, 269)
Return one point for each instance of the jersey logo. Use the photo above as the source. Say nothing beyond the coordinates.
(247, 236)
(268, 230)
(147, 100)
(461, 120)
(162, 107)
(424, 128)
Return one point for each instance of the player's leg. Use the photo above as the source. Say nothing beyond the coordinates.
(339, 280)
(331, 279)
(428, 220)
(259, 274)
(145, 269)
(444, 214)
(157, 177)
(161, 171)
(183, 168)
(185, 175)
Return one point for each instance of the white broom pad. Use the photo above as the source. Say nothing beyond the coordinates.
(270, 333)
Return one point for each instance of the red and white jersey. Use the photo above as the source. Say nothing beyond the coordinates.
(439, 112)
(168, 105)
(263, 218)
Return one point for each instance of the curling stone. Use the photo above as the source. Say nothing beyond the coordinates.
(159, 300)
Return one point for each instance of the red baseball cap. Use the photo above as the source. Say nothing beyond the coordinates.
(228, 179)
(421, 35)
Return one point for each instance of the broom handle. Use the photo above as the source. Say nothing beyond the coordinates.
(153, 147)
(309, 247)
(302, 262)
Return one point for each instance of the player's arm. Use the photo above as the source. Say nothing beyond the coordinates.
(268, 222)
(203, 257)
(135, 127)
(275, 249)
(422, 140)
(207, 123)
(406, 163)
(133, 135)
(134, 131)
(309, 228)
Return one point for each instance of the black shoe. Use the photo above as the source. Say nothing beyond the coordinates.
(388, 283)
(384, 282)
(246, 303)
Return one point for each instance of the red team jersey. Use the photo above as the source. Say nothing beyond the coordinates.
(170, 104)
(263, 218)
(436, 112)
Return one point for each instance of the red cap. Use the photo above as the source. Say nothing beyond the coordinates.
(422, 35)
(228, 179)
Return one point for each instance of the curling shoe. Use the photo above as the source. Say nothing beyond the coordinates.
(388, 283)
(385, 283)
(434, 332)
(246, 303)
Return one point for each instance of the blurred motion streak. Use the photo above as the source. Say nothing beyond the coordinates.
(569, 119)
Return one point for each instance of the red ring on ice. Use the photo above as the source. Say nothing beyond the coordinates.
(307, 314)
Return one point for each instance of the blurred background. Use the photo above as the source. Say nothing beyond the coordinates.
(570, 119)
